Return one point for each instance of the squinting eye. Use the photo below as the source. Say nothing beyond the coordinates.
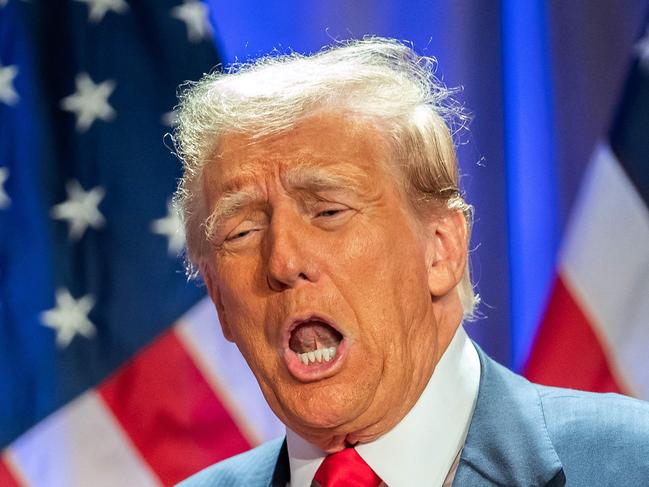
(330, 212)
(238, 235)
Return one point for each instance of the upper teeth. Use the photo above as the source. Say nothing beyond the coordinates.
(319, 355)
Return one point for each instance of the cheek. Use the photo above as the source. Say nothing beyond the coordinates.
(385, 252)
(241, 303)
(237, 278)
(383, 277)
(357, 252)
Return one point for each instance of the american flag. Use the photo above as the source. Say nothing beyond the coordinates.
(112, 367)
(595, 332)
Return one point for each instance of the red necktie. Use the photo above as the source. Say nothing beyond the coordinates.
(346, 468)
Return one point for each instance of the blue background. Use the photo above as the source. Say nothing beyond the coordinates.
(542, 80)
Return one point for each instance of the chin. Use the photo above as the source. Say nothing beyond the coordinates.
(327, 411)
(325, 417)
(321, 418)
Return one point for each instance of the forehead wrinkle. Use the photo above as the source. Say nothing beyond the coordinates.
(244, 177)
(240, 191)
(319, 177)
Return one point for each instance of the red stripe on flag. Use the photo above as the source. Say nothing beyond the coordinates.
(7, 478)
(170, 412)
(567, 352)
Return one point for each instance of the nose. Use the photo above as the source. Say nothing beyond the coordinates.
(290, 260)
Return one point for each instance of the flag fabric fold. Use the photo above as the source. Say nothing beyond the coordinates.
(595, 331)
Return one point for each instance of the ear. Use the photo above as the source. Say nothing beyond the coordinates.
(446, 252)
(215, 295)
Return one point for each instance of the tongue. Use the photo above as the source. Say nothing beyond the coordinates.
(312, 335)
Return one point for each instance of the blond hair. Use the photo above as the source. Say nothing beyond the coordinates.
(382, 79)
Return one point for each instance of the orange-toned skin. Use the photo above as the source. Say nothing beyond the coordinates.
(357, 254)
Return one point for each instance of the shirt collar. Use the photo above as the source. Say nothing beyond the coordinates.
(429, 437)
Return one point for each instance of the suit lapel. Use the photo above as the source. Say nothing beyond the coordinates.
(507, 443)
(282, 474)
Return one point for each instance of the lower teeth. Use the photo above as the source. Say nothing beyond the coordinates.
(319, 355)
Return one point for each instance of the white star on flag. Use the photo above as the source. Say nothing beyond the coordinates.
(8, 94)
(642, 48)
(69, 317)
(89, 101)
(195, 15)
(80, 209)
(98, 8)
(171, 227)
(4, 198)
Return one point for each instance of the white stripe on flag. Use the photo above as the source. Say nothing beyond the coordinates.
(605, 259)
(225, 369)
(79, 445)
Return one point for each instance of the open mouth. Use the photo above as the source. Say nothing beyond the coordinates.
(314, 341)
(313, 348)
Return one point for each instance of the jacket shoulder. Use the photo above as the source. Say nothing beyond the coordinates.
(252, 468)
(603, 436)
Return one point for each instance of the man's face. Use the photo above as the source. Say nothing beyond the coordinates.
(322, 275)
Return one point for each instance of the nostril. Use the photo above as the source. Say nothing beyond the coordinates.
(275, 284)
(285, 275)
(280, 285)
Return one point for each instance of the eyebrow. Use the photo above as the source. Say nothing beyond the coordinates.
(322, 178)
(228, 205)
(307, 177)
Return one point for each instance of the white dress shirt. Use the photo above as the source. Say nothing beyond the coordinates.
(423, 447)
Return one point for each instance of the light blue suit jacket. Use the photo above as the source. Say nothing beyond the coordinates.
(521, 434)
